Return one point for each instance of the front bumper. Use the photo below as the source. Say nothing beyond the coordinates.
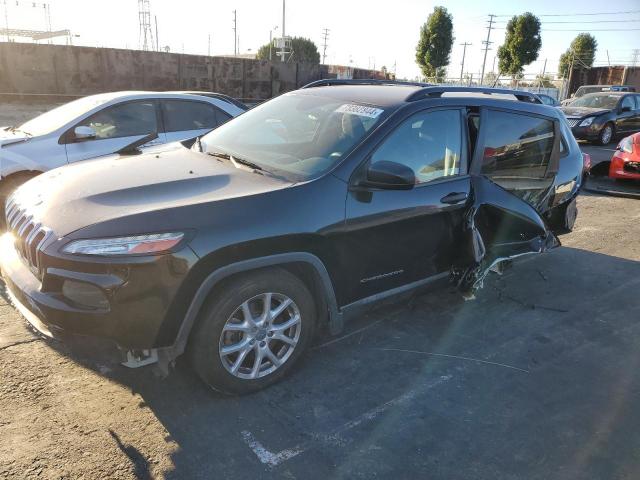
(138, 296)
(586, 133)
(624, 168)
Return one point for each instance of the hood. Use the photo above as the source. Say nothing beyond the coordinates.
(570, 111)
(78, 195)
(11, 136)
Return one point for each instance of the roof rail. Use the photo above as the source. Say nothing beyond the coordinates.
(437, 91)
(329, 82)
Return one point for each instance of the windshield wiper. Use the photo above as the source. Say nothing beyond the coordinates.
(246, 163)
(236, 160)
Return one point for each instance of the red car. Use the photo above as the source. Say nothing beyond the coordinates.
(625, 163)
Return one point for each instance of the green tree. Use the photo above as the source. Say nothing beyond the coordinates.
(543, 81)
(521, 44)
(302, 50)
(434, 46)
(490, 78)
(582, 51)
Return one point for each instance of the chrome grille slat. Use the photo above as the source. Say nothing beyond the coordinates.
(13, 216)
(23, 226)
(31, 235)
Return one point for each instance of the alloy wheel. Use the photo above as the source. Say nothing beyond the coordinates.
(607, 133)
(260, 335)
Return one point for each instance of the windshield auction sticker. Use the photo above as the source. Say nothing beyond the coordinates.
(361, 110)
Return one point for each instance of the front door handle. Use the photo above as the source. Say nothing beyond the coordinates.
(454, 197)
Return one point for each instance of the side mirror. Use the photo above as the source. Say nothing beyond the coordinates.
(390, 176)
(84, 133)
(625, 109)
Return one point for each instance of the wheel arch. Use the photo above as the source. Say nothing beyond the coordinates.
(307, 266)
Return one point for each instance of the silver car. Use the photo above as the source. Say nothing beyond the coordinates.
(103, 124)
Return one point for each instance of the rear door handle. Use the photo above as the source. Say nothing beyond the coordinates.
(454, 197)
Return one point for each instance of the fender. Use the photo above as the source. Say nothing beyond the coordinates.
(166, 355)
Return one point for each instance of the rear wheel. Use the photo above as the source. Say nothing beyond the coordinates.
(253, 331)
(606, 134)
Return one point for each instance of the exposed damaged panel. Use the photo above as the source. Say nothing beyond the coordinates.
(498, 226)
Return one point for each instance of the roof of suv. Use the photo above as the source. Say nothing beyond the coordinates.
(385, 93)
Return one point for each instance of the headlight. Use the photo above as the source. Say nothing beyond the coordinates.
(138, 244)
(587, 121)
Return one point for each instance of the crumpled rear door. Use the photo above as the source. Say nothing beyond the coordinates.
(498, 226)
(504, 216)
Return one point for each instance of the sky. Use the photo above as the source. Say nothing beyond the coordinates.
(363, 33)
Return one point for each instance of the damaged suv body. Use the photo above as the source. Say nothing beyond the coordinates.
(304, 210)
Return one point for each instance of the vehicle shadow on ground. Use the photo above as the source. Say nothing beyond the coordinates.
(441, 356)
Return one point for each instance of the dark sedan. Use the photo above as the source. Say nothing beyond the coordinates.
(602, 116)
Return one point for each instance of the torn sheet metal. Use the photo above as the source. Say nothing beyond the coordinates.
(498, 226)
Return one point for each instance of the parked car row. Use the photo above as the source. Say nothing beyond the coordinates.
(600, 117)
(102, 124)
(297, 214)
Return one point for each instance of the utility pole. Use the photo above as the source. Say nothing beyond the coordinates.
(155, 19)
(282, 46)
(209, 46)
(544, 69)
(464, 52)
(6, 20)
(325, 36)
(573, 57)
(608, 61)
(235, 33)
(486, 46)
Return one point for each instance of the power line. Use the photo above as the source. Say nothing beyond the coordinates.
(587, 21)
(579, 14)
(581, 29)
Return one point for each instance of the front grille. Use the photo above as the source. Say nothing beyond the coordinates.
(573, 122)
(30, 235)
(631, 167)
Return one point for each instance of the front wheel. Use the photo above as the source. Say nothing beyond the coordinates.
(253, 331)
(606, 134)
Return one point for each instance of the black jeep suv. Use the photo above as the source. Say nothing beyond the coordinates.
(304, 210)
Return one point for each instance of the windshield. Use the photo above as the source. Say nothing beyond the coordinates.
(597, 101)
(296, 136)
(60, 116)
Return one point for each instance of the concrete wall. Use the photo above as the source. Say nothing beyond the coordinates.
(69, 70)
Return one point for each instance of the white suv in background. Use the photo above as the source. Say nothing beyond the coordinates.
(103, 124)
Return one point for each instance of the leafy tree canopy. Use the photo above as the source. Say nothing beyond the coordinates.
(303, 50)
(521, 44)
(434, 45)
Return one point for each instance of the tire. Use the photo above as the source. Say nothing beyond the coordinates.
(563, 218)
(223, 323)
(606, 134)
(7, 187)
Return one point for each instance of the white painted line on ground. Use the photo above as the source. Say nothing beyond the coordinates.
(272, 459)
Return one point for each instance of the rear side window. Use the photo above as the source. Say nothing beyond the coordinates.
(124, 120)
(222, 117)
(516, 146)
(628, 102)
(180, 115)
